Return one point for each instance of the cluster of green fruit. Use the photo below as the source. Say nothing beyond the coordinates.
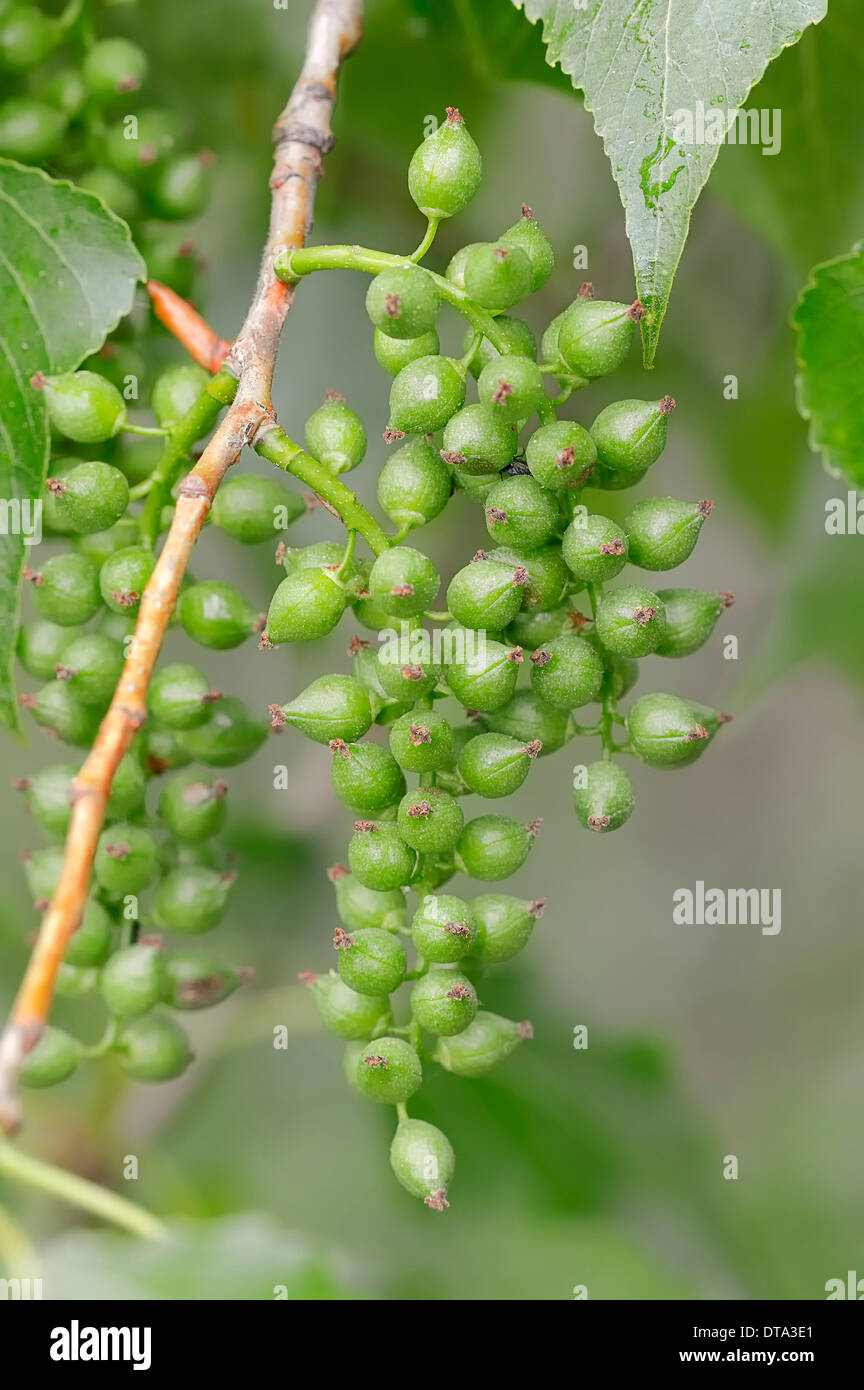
(547, 546)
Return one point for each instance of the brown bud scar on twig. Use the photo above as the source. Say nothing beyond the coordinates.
(32, 576)
(501, 392)
(496, 516)
(698, 731)
(540, 658)
(193, 486)
(726, 600)
(643, 616)
(420, 809)
(453, 457)
(374, 1059)
(412, 673)
(705, 506)
(337, 871)
(307, 977)
(338, 745)
(515, 655)
(612, 548)
(636, 311)
(56, 485)
(119, 851)
(536, 907)
(264, 643)
(358, 644)
(459, 992)
(725, 718)
(585, 290)
(526, 1030)
(402, 590)
(38, 380)
(211, 697)
(566, 458)
(521, 576)
(534, 748)
(281, 552)
(418, 733)
(598, 822)
(478, 555)
(667, 405)
(64, 673)
(392, 306)
(500, 253)
(437, 1200)
(367, 825)
(390, 436)
(331, 395)
(527, 212)
(533, 826)
(457, 928)
(454, 115)
(341, 940)
(22, 784)
(277, 717)
(126, 599)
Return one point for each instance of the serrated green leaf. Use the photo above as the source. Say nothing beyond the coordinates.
(640, 64)
(830, 321)
(68, 271)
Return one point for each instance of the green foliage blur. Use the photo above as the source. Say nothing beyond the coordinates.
(602, 1167)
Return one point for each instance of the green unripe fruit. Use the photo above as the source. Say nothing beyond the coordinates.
(443, 1001)
(113, 67)
(594, 335)
(331, 707)
(335, 435)
(485, 678)
(395, 353)
(477, 486)
(153, 1048)
(48, 797)
(55, 522)
(379, 857)
(631, 621)
(230, 736)
(512, 387)
(485, 594)
(54, 1057)
(180, 696)
(421, 741)
(455, 273)
(42, 871)
(595, 548)
(74, 981)
(170, 257)
(323, 555)
(124, 577)
(423, 1162)
(543, 574)
(343, 1011)
(662, 531)
(132, 150)
(388, 1071)
(360, 907)
(30, 131)
(404, 683)
(567, 673)
(128, 789)
(175, 391)
(425, 394)
(445, 171)
(519, 340)
(66, 591)
(560, 455)
(197, 981)
(533, 626)
(496, 765)
(161, 750)
(520, 512)
(365, 776)
(414, 484)
(631, 435)
(127, 859)
(27, 36)
(99, 545)
(133, 980)
(665, 732)
(430, 820)
(531, 720)
(90, 943)
(403, 581)
(117, 195)
(84, 406)
(138, 456)
(529, 235)
(214, 615)
(691, 617)
(443, 929)
(498, 276)
(371, 961)
(252, 508)
(478, 441)
(41, 645)
(505, 924)
(487, 1041)
(192, 808)
(494, 847)
(91, 666)
(403, 302)
(307, 605)
(65, 89)
(181, 186)
(191, 899)
(56, 708)
(712, 720)
(606, 800)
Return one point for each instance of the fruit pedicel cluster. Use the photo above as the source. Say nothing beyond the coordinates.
(508, 611)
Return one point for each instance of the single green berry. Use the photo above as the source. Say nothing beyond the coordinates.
(153, 1048)
(99, 545)
(484, 678)
(124, 577)
(430, 820)
(335, 435)
(193, 808)
(169, 255)
(92, 665)
(478, 441)
(57, 709)
(520, 512)
(518, 339)
(307, 605)
(594, 548)
(41, 645)
(371, 961)
(365, 776)
(116, 193)
(253, 508)
(181, 186)
(113, 68)
(395, 353)
(528, 234)
(136, 148)
(622, 672)
(175, 391)
(331, 707)
(691, 617)
(65, 89)
(66, 591)
(84, 406)
(561, 455)
(512, 387)
(55, 1056)
(665, 732)
(414, 484)
(30, 131)
(487, 1041)
(75, 981)
(214, 615)
(712, 720)
(594, 335)
(181, 697)
(476, 485)
(27, 36)
(191, 900)
(42, 871)
(605, 800)
(48, 798)
(403, 581)
(405, 683)
(455, 273)
(403, 302)
(421, 741)
(343, 1011)
(486, 594)
(424, 395)
(495, 765)
(137, 457)
(530, 720)
(55, 521)
(443, 928)
(445, 171)
(197, 981)
(498, 275)
(505, 925)
(388, 1071)
(161, 750)
(359, 906)
(423, 1161)
(230, 736)
(662, 531)
(567, 673)
(533, 626)
(127, 859)
(128, 789)
(133, 980)
(379, 857)
(543, 574)
(630, 435)
(494, 847)
(90, 943)
(443, 1001)
(631, 621)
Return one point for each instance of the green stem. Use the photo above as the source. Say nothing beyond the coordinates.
(346, 556)
(17, 1254)
(156, 430)
(79, 1192)
(401, 1110)
(428, 238)
(279, 449)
